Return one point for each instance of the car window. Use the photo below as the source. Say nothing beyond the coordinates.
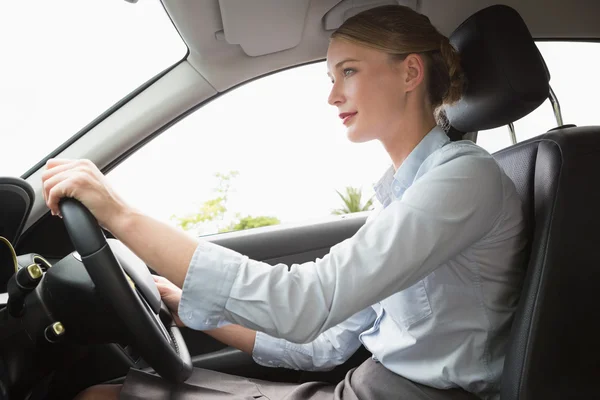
(574, 79)
(65, 62)
(269, 152)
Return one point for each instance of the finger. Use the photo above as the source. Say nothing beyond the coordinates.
(57, 192)
(52, 173)
(163, 290)
(159, 283)
(165, 282)
(51, 183)
(54, 166)
(75, 170)
(160, 279)
(65, 186)
(53, 162)
(80, 165)
(164, 286)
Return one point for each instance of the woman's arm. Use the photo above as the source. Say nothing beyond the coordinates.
(165, 249)
(232, 335)
(333, 347)
(235, 336)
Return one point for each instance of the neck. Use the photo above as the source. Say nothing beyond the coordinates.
(407, 135)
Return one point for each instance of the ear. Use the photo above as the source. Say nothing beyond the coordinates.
(414, 71)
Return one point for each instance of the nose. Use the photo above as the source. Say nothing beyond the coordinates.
(336, 96)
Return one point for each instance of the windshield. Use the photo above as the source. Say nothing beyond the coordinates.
(66, 62)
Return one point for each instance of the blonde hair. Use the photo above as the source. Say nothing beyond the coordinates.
(399, 31)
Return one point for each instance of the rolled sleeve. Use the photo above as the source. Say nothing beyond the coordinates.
(207, 285)
(268, 351)
(333, 347)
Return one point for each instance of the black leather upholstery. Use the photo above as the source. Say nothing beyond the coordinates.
(502, 65)
(554, 345)
(553, 351)
(518, 162)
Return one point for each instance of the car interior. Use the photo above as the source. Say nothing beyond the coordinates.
(79, 308)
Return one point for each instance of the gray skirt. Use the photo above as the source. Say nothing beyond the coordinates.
(369, 381)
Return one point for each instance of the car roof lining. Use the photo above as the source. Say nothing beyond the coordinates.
(208, 27)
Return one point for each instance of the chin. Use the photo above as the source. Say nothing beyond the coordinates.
(357, 135)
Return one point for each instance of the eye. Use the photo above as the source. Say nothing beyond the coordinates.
(348, 71)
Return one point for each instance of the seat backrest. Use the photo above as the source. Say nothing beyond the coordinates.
(518, 162)
(552, 351)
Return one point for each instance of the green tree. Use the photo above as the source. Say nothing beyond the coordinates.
(211, 210)
(352, 200)
(250, 222)
(215, 211)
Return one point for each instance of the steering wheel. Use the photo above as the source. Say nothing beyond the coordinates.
(162, 347)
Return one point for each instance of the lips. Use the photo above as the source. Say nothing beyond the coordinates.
(347, 116)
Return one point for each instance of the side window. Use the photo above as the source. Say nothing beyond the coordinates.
(573, 78)
(494, 139)
(537, 122)
(271, 151)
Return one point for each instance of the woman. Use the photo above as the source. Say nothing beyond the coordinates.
(441, 260)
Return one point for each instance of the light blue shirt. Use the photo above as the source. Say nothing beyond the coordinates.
(428, 285)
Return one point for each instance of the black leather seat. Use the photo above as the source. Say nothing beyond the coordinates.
(554, 352)
(554, 347)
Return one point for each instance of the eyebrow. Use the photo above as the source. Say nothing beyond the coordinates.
(343, 62)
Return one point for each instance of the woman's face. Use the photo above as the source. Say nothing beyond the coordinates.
(368, 90)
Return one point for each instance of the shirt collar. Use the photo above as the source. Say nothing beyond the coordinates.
(393, 184)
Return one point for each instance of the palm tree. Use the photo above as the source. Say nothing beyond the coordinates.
(352, 202)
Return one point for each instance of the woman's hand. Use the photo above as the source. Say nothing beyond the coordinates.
(171, 295)
(82, 180)
(232, 335)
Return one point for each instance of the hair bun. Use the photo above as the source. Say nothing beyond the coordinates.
(455, 72)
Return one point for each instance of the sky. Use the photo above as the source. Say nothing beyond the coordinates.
(67, 61)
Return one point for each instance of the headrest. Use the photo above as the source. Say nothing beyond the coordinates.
(506, 75)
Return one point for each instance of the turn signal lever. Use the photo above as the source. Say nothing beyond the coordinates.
(19, 285)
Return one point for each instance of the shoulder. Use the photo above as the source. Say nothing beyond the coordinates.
(463, 159)
(459, 179)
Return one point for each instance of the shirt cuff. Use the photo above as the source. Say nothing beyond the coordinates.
(268, 351)
(207, 286)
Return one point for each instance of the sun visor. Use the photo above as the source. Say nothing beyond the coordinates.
(263, 27)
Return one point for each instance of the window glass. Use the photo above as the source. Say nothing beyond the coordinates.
(494, 139)
(65, 62)
(271, 151)
(574, 77)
